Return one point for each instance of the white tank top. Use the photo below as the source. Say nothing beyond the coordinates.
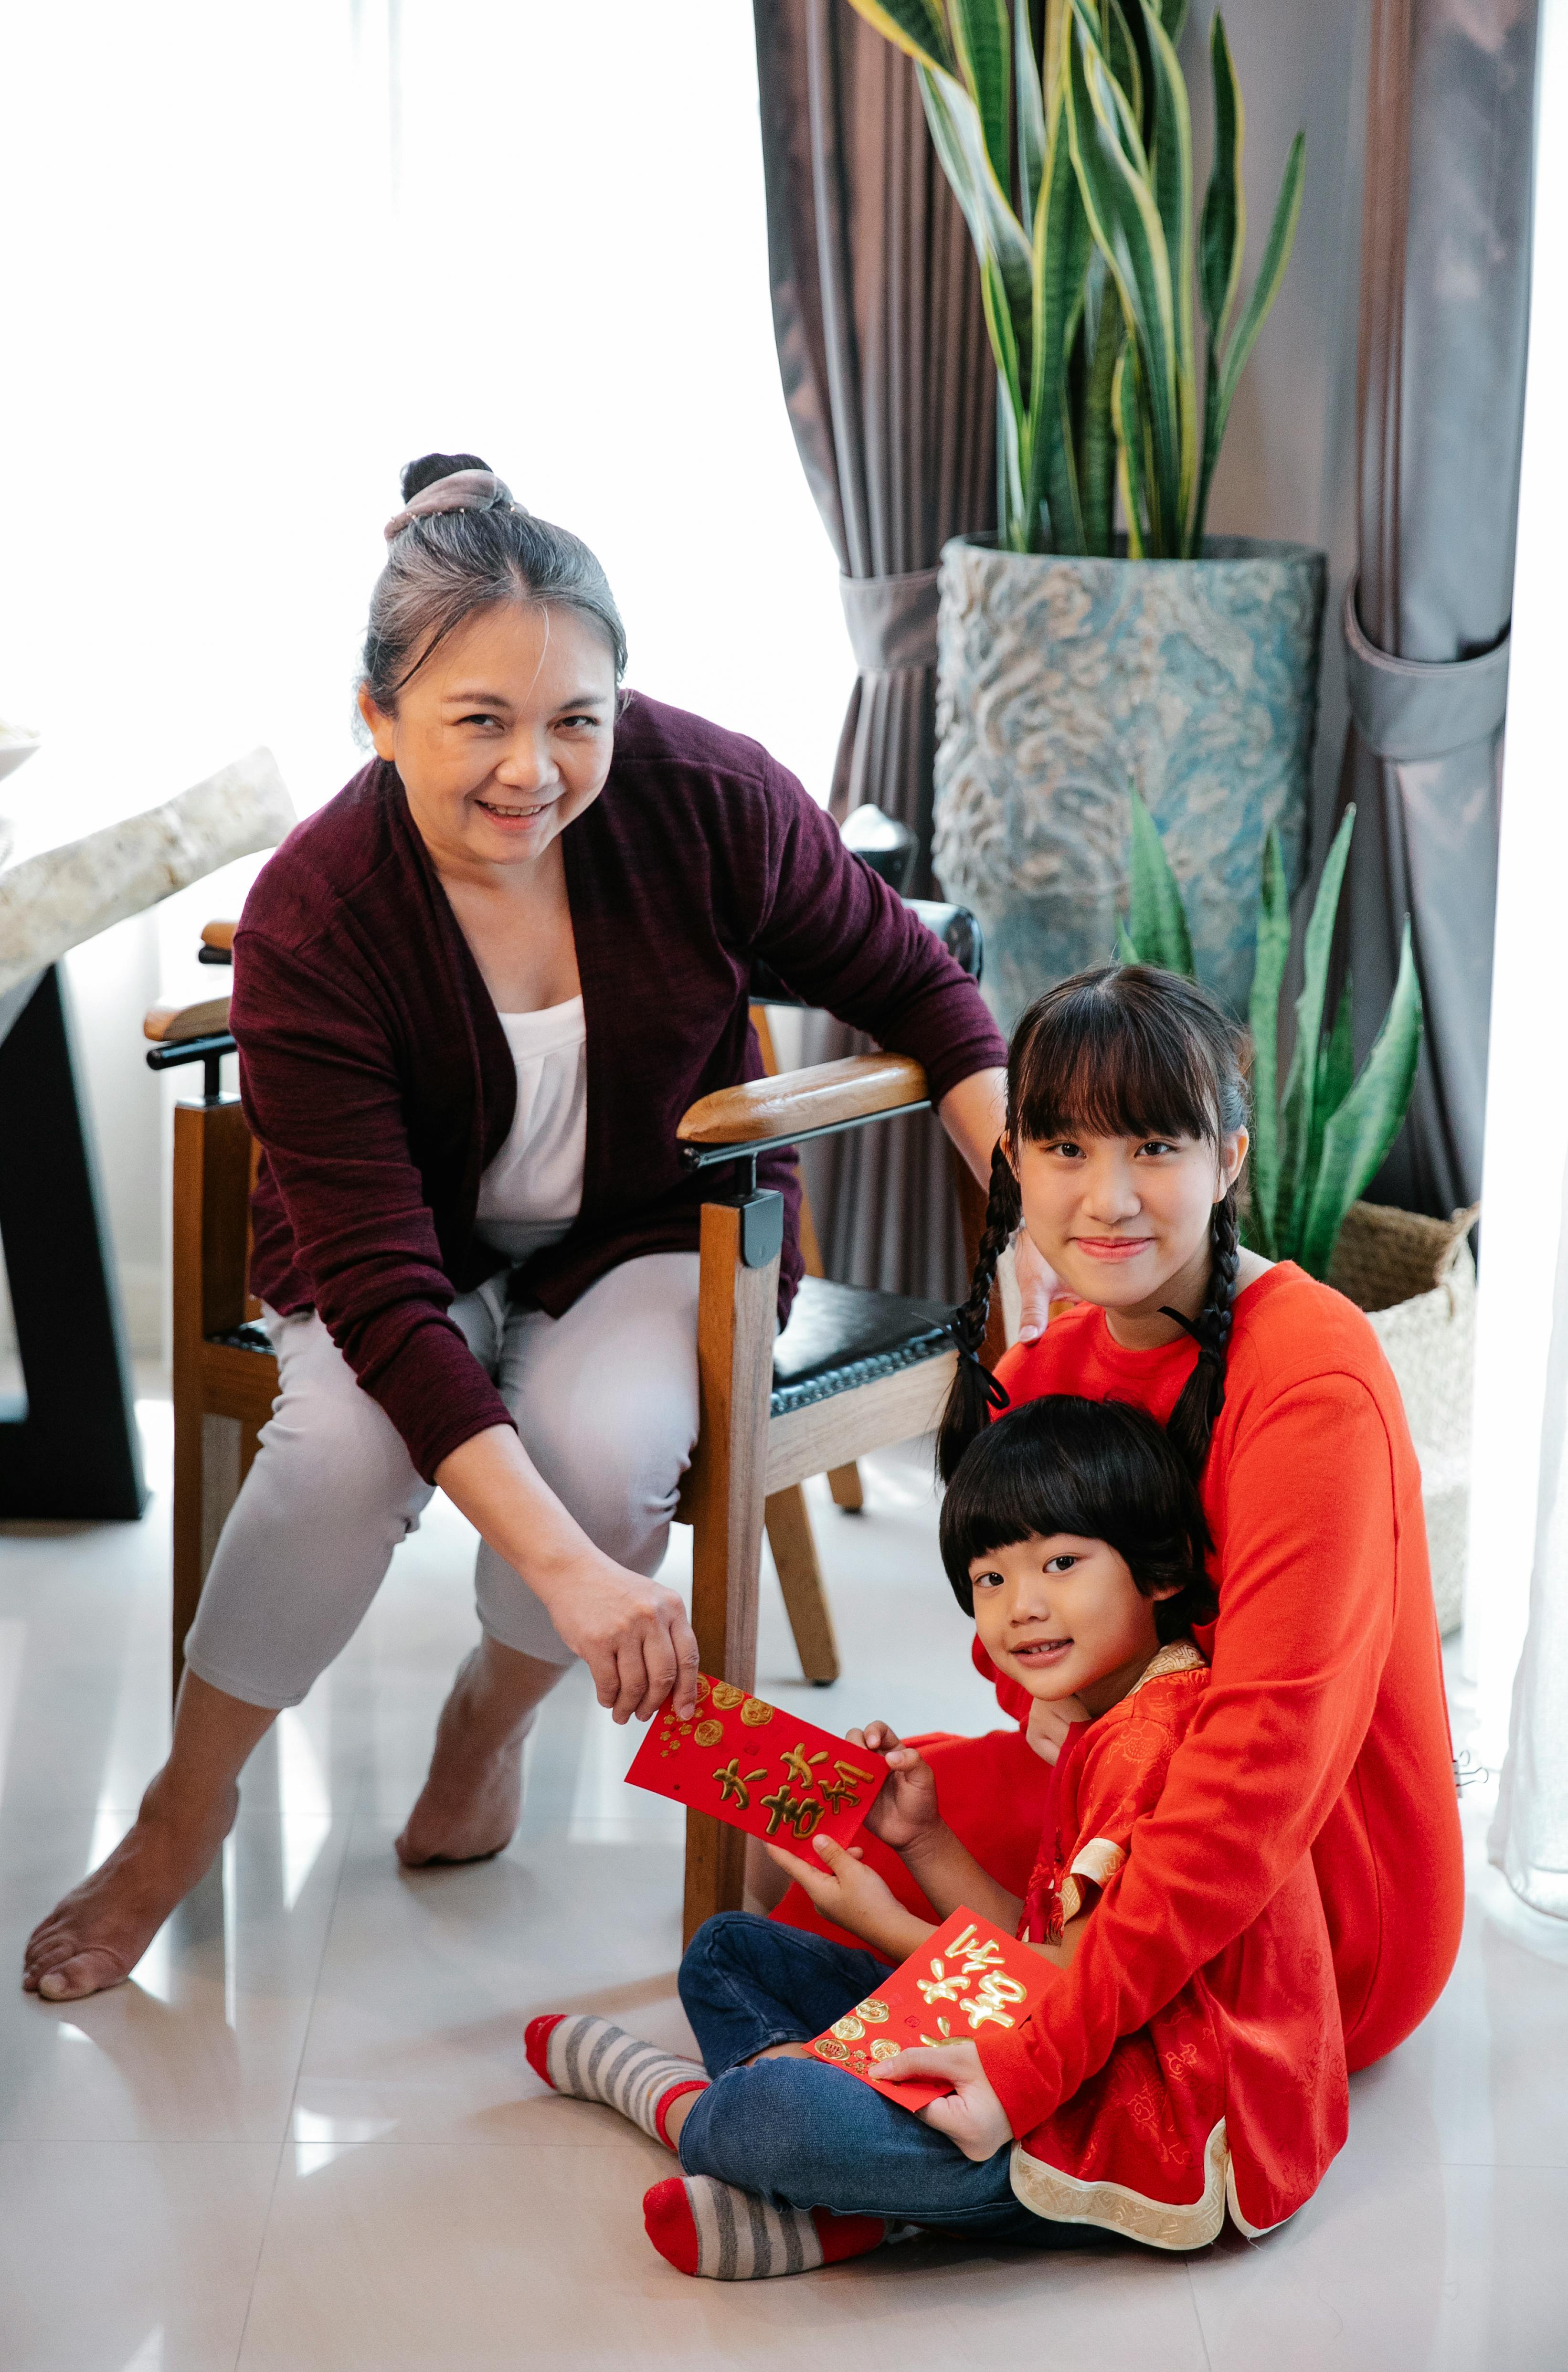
(533, 1190)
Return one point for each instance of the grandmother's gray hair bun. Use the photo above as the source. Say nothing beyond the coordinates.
(460, 490)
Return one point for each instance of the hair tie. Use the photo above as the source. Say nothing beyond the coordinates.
(996, 1394)
(1206, 1350)
(460, 490)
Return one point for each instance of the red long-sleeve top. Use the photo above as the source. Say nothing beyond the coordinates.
(1324, 1728)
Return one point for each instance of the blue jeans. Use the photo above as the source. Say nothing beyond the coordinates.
(805, 2135)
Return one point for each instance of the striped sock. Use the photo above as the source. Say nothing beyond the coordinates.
(704, 2226)
(591, 2060)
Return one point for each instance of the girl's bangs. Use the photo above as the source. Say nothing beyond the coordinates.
(1105, 1061)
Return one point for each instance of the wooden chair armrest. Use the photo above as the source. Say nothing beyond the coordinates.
(798, 1103)
(170, 1025)
(219, 935)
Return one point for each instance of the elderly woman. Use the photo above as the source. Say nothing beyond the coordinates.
(473, 995)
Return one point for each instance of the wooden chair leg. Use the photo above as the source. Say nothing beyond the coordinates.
(737, 1317)
(212, 1161)
(800, 1578)
(848, 1492)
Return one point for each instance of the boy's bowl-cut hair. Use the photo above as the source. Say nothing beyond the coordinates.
(1099, 1469)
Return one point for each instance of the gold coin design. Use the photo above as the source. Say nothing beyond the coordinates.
(873, 2012)
(826, 2049)
(848, 2030)
(708, 1733)
(885, 2050)
(726, 1696)
(754, 1713)
(702, 1686)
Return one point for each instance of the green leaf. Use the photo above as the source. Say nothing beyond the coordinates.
(1223, 237)
(1156, 918)
(1296, 1106)
(1126, 952)
(1131, 477)
(916, 27)
(1336, 1066)
(1171, 160)
(1061, 251)
(1263, 1014)
(1270, 272)
(1006, 256)
(1121, 57)
(1031, 113)
(982, 42)
(1113, 174)
(1357, 1139)
(1097, 465)
(1173, 16)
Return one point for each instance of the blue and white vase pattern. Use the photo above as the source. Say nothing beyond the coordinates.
(1060, 683)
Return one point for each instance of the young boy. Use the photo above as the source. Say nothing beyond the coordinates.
(1072, 1534)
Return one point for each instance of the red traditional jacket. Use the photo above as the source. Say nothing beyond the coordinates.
(1234, 2093)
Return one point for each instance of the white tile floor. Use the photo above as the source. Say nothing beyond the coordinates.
(305, 2138)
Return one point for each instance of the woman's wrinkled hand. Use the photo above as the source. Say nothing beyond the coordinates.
(971, 2114)
(635, 1637)
(905, 1809)
(1051, 1721)
(1038, 1287)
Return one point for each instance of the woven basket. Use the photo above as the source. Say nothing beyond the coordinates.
(1415, 1279)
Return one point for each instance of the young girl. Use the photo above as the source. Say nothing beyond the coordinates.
(1324, 1728)
(1073, 1535)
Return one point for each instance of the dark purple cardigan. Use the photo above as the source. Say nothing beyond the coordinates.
(379, 1079)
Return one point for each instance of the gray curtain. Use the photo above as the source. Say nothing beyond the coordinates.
(887, 380)
(1445, 302)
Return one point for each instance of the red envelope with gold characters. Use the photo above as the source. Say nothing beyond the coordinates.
(760, 1768)
(968, 1979)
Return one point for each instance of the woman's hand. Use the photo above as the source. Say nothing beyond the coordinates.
(971, 2114)
(1038, 1287)
(845, 1891)
(1050, 1724)
(633, 1636)
(904, 1812)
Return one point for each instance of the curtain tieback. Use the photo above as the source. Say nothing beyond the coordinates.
(1410, 709)
(891, 621)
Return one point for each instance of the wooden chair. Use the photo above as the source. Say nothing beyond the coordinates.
(853, 1371)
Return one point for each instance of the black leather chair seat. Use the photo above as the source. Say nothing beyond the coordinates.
(840, 1336)
(247, 1337)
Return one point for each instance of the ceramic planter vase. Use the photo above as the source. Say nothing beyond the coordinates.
(1059, 681)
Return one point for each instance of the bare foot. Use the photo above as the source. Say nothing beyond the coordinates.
(95, 1935)
(469, 1804)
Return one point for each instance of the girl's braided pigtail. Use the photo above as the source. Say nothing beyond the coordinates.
(1193, 1418)
(975, 1389)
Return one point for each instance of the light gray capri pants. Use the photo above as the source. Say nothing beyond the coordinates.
(605, 1399)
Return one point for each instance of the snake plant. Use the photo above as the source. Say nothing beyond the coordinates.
(1318, 1144)
(1075, 180)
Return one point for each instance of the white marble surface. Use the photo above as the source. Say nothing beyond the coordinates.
(79, 862)
(305, 2138)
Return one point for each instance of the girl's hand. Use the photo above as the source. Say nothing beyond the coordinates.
(971, 2115)
(905, 1811)
(839, 1885)
(1051, 1721)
